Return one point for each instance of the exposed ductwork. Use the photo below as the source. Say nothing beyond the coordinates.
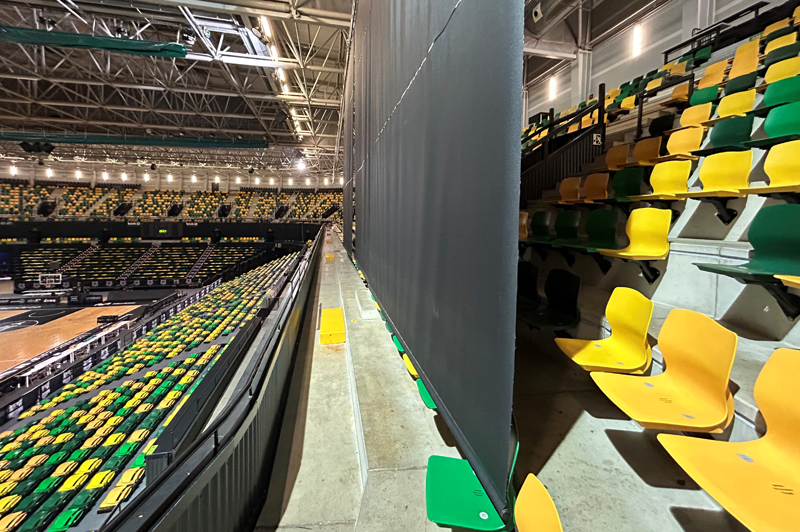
(542, 15)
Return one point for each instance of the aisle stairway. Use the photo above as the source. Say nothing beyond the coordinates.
(91, 249)
(199, 264)
(132, 268)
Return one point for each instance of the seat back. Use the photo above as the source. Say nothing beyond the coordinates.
(628, 181)
(785, 69)
(726, 170)
(527, 273)
(570, 189)
(698, 352)
(780, 42)
(540, 224)
(679, 69)
(711, 79)
(534, 510)
(670, 177)
(685, 141)
(653, 84)
(737, 104)
(617, 156)
(660, 125)
(732, 133)
(776, 395)
(775, 238)
(561, 289)
(567, 223)
(741, 83)
(706, 95)
(697, 114)
(647, 230)
(681, 92)
(719, 66)
(781, 24)
(783, 164)
(601, 228)
(628, 313)
(783, 91)
(647, 149)
(784, 120)
(596, 186)
(748, 48)
(629, 103)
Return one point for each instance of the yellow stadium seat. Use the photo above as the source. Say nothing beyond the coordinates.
(783, 168)
(692, 394)
(785, 69)
(710, 79)
(668, 179)
(756, 481)
(723, 175)
(617, 156)
(410, 366)
(573, 128)
(628, 103)
(613, 93)
(720, 66)
(570, 189)
(678, 70)
(791, 281)
(745, 62)
(654, 84)
(534, 510)
(595, 187)
(697, 115)
(748, 47)
(737, 104)
(682, 143)
(796, 15)
(780, 42)
(784, 23)
(647, 151)
(667, 66)
(647, 230)
(679, 94)
(626, 350)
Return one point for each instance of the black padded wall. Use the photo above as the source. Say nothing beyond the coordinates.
(436, 113)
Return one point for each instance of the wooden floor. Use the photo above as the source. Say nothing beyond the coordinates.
(10, 313)
(22, 344)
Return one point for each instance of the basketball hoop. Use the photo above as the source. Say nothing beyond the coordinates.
(48, 280)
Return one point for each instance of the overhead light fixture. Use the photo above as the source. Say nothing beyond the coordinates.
(258, 181)
(293, 111)
(146, 177)
(238, 180)
(271, 181)
(290, 180)
(308, 181)
(326, 180)
(194, 178)
(169, 178)
(124, 176)
(105, 176)
(553, 88)
(281, 74)
(301, 164)
(636, 48)
(285, 88)
(216, 179)
(274, 51)
(13, 169)
(49, 172)
(77, 174)
(301, 137)
(341, 181)
(265, 29)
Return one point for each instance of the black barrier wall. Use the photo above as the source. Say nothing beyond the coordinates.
(436, 112)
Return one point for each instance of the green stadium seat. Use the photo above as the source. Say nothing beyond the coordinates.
(732, 134)
(741, 83)
(779, 93)
(707, 95)
(561, 311)
(782, 125)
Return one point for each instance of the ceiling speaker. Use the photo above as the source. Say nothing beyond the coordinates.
(537, 13)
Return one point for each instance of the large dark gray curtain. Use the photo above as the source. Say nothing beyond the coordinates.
(347, 146)
(436, 162)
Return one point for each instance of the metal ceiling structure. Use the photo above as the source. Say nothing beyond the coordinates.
(267, 71)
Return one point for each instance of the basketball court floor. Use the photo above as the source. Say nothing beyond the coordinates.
(27, 333)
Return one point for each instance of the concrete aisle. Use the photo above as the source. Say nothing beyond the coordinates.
(356, 437)
(604, 472)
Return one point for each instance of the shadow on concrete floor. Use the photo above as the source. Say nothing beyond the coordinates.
(699, 520)
(648, 458)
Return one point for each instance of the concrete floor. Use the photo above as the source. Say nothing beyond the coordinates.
(356, 436)
(604, 472)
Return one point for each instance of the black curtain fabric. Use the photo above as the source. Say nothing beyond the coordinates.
(436, 113)
(347, 146)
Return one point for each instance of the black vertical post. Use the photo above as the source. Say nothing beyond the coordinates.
(691, 87)
(546, 140)
(601, 115)
(639, 118)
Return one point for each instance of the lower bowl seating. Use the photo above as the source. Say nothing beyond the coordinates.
(107, 263)
(224, 257)
(169, 262)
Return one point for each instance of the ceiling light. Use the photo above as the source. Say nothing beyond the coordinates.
(285, 88)
(265, 27)
(124, 176)
(49, 172)
(281, 74)
(216, 179)
(294, 111)
(341, 181)
(146, 177)
(301, 137)
(258, 181)
(194, 178)
(169, 178)
(105, 176)
(308, 181)
(326, 180)
(274, 51)
(301, 164)
(271, 181)
(238, 180)
(13, 169)
(636, 48)
(290, 180)
(77, 174)
(553, 88)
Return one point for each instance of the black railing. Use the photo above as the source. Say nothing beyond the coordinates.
(671, 83)
(548, 163)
